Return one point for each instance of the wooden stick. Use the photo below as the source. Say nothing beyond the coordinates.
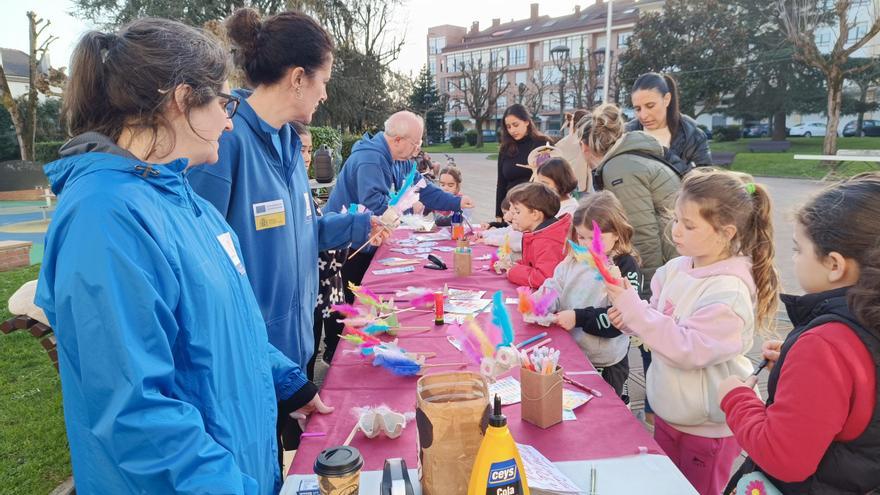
(351, 435)
(371, 239)
(458, 365)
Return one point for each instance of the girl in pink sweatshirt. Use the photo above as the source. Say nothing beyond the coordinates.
(701, 320)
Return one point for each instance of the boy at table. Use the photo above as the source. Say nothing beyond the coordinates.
(534, 207)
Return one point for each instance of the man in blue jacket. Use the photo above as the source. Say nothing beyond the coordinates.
(376, 165)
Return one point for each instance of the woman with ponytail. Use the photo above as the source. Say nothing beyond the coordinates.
(169, 382)
(819, 430)
(705, 308)
(260, 184)
(655, 99)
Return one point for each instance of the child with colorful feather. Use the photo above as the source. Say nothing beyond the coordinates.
(582, 305)
(705, 307)
(534, 208)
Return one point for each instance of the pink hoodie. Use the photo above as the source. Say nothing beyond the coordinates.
(699, 325)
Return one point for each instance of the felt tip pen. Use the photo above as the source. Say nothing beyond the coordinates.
(530, 340)
(761, 367)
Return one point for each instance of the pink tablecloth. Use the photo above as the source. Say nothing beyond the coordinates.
(604, 428)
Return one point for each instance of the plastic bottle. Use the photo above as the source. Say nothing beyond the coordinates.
(498, 468)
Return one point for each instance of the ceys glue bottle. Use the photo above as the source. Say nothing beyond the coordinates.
(498, 469)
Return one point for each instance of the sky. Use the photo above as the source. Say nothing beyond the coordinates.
(412, 19)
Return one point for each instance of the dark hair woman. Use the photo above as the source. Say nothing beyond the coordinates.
(260, 184)
(169, 380)
(519, 136)
(655, 100)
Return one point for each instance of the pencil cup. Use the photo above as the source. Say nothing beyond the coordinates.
(541, 397)
(462, 263)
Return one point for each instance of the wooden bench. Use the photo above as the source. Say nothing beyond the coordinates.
(769, 146)
(43, 333)
(723, 158)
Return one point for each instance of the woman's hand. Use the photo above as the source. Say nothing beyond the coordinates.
(770, 349)
(731, 382)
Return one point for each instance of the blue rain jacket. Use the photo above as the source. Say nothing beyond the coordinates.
(169, 382)
(260, 184)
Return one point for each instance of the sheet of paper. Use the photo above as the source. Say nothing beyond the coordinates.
(511, 300)
(398, 261)
(411, 251)
(509, 390)
(572, 400)
(470, 307)
(465, 294)
(443, 235)
(390, 271)
(542, 474)
(568, 415)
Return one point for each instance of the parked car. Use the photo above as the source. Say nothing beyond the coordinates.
(489, 136)
(756, 130)
(869, 128)
(809, 129)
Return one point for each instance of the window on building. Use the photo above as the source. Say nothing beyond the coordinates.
(499, 57)
(432, 65)
(600, 43)
(436, 45)
(857, 32)
(517, 54)
(552, 74)
(521, 77)
(623, 39)
(501, 102)
(823, 39)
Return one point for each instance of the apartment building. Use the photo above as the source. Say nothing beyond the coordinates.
(524, 50)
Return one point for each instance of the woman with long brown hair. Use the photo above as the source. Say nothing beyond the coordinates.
(519, 136)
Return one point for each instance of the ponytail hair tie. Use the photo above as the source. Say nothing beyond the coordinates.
(750, 188)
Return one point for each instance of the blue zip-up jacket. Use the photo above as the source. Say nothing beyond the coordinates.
(282, 260)
(370, 173)
(169, 381)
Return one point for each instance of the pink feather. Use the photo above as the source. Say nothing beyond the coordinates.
(346, 310)
(426, 299)
(458, 333)
(598, 245)
(542, 306)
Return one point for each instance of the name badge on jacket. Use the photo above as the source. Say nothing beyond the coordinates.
(229, 246)
(269, 215)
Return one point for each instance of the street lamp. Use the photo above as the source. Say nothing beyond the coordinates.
(559, 55)
(607, 74)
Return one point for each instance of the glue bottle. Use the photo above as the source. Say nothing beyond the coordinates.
(498, 469)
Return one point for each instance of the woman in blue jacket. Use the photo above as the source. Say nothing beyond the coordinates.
(169, 382)
(260, 184)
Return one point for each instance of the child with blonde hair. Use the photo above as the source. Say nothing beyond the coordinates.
(701, 320)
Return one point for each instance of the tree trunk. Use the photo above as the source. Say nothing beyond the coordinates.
(835, 96)
(478, 123)
(778, 131)
(30, 135)
(863, 100)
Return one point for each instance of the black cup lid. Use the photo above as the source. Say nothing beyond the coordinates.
(338, 461)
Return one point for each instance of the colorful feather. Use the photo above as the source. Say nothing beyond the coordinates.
(477, 334)
(458, 333)
(366, 339)
(426, 299)
(603, 269)
(598, 246)
(346, 310)
(410, 197)
(396, 361)
(392, 320)
(407, 183)
(501, 319)
(376, 328)
(504, 249)
(542, 305)
(525, 305)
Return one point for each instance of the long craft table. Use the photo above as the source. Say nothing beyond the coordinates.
(605, 434)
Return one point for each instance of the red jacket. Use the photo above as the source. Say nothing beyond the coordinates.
(542, 250)
(826, 392)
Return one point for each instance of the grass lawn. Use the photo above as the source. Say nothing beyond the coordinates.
(447, 148)
(34, 456)
(784, 164)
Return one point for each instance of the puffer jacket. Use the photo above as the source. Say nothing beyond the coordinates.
(646, 187)
(689, 144)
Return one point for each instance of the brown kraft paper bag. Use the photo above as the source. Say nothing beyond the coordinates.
(451, 417)
(541, 397)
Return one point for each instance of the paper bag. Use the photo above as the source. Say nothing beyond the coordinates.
(451, 416)
(541, 397)
(462, 263)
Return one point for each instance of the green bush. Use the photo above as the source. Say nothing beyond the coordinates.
(727, 133)
(348, 141)
(325, 136)
(48, 151)
(456, 126)
(471, 137)
(456, 141)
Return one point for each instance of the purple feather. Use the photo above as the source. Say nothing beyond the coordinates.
(457, 332)
(426, 299)
(542, 306)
